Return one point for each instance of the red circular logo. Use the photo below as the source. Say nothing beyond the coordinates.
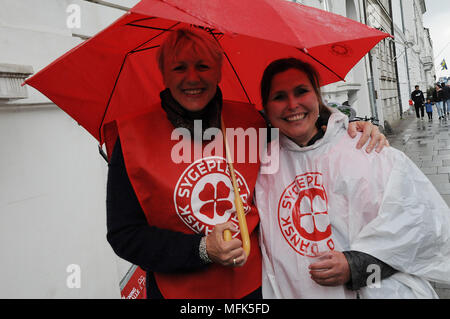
(204, 195)
(303, 215)
(310, 215)
(340, 49)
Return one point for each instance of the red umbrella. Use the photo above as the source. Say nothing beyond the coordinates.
(115, 74)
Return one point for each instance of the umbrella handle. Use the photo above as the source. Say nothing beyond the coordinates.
(237, 201)
(242, 223)
(227, 235)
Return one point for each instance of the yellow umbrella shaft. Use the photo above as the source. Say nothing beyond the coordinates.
(238, 203)
(242, 223)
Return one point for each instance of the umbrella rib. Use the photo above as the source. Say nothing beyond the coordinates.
(305, 52)
(234, 70)
(146, 27)
(139, 50)
(163, 30)
(143, 19)
(110, 97)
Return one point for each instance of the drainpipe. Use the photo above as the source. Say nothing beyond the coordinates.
(370, 83)
(395, 61)
(406, 47)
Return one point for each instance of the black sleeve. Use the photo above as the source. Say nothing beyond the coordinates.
(359, 271)
(131, 237)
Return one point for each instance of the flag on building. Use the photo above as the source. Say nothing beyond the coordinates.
(444, 65)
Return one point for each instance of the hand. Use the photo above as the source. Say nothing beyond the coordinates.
(368, 130)
(224, 252)
(331, 270)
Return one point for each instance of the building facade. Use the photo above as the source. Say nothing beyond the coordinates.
(414, 48)
(380, 84)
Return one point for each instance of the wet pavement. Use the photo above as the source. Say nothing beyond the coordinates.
(427, 144)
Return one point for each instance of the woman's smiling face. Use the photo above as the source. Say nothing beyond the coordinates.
(192, 76)
(293, 106)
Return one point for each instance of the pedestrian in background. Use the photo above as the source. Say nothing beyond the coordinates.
(438, 100)
(429, 110)
(446, 97)
(418, 99)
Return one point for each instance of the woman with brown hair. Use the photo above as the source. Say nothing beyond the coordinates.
(334, 219)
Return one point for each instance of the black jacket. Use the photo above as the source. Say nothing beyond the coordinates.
(438, 96)
(133, 239)
(417, 97)
(151, 248)
(446, 90)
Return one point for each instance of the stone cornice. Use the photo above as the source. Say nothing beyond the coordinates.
(11, 79)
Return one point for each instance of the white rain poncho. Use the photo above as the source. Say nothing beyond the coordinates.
(332, 196)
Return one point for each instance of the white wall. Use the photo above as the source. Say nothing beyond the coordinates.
(52, 179)
(52, 208)
(403, 72)
(35, 32)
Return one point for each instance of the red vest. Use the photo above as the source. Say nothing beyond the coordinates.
(192, 197)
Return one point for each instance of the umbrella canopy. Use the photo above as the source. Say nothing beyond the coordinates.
(115, 74)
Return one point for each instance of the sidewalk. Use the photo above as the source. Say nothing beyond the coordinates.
(427, 144)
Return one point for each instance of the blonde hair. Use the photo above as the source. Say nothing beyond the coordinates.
(197, 38)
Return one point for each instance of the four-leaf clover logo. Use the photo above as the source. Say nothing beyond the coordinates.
(215, 199)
